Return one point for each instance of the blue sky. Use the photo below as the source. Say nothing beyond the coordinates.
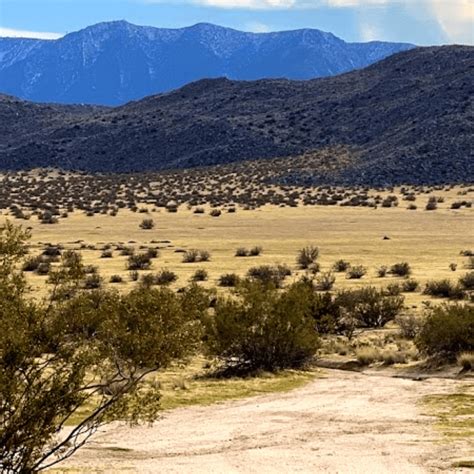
(423, 22)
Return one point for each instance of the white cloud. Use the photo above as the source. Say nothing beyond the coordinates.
(456, 18)
(11, 33)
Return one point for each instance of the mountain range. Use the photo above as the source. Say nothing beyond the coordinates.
(406, 119)
(116, 62)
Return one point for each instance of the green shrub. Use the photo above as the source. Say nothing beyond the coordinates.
(194, 255)
(357, 272)
(262, 329)
(165, 277)
(307, 256)
(382, 271)
(401, 269)
(93, 282)
(369, 306)
(229, 280)
(200, 275)
(325, 281)
(341, 266)
(448, 330)
(410, 286)
(147, 224)
(444, 289)
(140, 261)
(269, 275)
(255, 251)
(467, 281)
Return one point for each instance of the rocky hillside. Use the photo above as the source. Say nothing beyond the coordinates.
(407, 119)
(113, 63)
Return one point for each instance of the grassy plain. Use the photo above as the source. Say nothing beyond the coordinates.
(429, 240)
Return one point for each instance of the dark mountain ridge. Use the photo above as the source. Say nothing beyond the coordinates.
(407, 119)
(115, 62)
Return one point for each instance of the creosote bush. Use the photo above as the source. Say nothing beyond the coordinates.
(229, 280)
(194, 255)
(262, 329)
(448, 331)
(341, 266)
(356, 272)
(444, 289)
(269, 275)
(147, 224)
(139, 261)
(401, 269)
(307, 256)
(200, 275)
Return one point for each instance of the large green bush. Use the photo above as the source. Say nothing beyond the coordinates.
(262, 329)
(369, 306)
(448, 330)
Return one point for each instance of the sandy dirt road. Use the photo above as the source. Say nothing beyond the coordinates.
(345, 422)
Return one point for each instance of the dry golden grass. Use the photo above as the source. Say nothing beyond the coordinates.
(429, 240)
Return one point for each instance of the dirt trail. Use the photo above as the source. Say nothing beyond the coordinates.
(344, 423)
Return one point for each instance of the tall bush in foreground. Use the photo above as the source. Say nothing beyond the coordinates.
(447, 331)
(262, 329)
(79, 347)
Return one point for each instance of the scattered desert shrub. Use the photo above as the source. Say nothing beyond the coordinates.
(448, 330)
(194, 255)
(402, 269)
(229, 280)
(356, 272)
(47, 217)
(325, 281)
(341, 266)
(431, 205)
(147, 224)
(116, 279)
(255, 251)
(162, 278)
(443, 289)
(370, 306)
(152, 252)
(199, 210)
(139, 261)
(467, 281)
(31, 264)
(106, 254)
(134, 275)
(393, 289)
(307, 256)
(410, 285)
(93, 281)
(127, 251)
(453, 267)
(215, 213)
(262, 329)
(200, 275)
(269, 275)
(382, 271)
(241, 252)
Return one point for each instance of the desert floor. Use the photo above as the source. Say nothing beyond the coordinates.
(344, 422)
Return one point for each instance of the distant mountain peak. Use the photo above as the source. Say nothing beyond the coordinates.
(114, 62)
